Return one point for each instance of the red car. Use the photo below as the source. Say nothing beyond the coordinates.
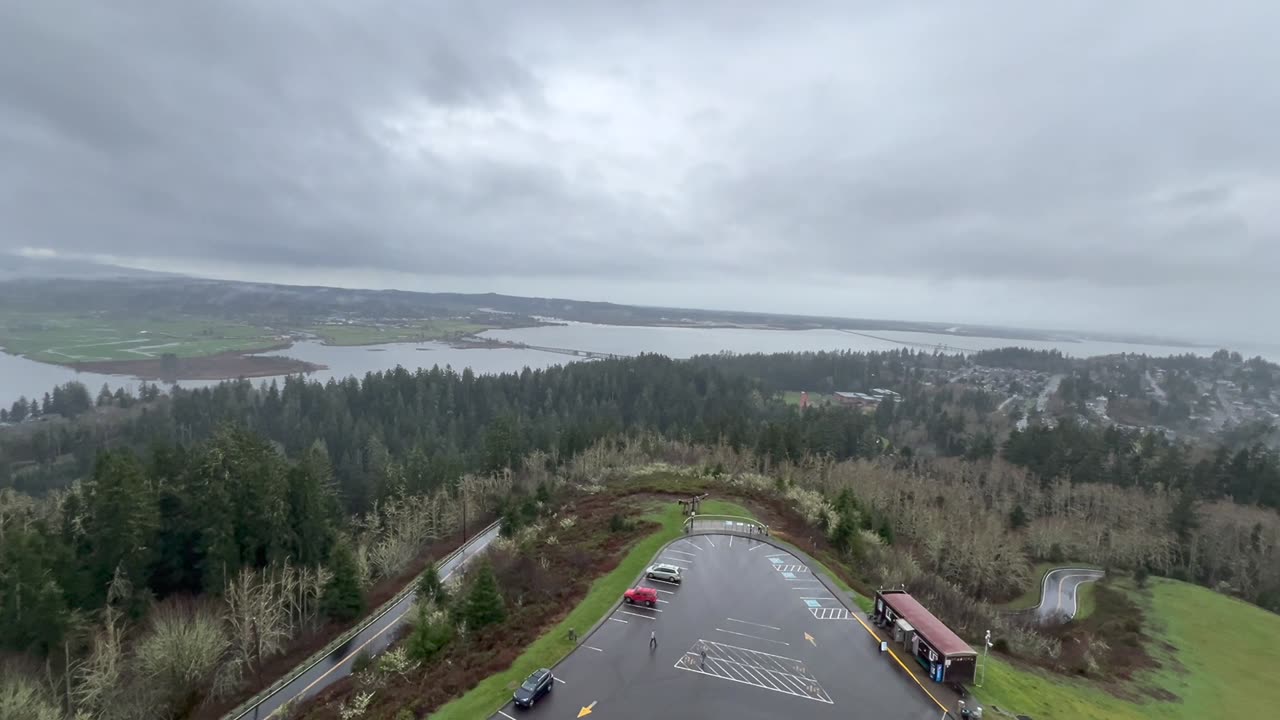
(647, 596)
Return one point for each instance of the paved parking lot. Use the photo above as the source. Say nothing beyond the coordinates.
(750, 633)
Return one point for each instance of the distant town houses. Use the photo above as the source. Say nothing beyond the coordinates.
(867, 400)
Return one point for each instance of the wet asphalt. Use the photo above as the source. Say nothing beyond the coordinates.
(778, 644)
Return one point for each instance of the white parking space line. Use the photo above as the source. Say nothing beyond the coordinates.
(730, 541)
(779, 555)
(505, 715)
(753, 637)
(713, 545)
(748, 622)
(621, 621)
(664, 601)
(646, 617)
(682, 562)
(664, 592)
(590, 647)
(553, 677)
(681, 552)
(639, 606)
(695, 545)
(818, 597)
(756, 547)
(668, 582)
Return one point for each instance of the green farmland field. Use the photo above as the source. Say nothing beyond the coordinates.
(438, 329)
(71, 338)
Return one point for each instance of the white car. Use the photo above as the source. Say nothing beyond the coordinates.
(669, 573)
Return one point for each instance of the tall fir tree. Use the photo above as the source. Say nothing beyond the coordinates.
(343, 597)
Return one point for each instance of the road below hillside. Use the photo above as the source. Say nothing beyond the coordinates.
(372, 639)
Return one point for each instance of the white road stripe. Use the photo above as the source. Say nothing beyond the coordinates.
(621, 621)
(713, 545)
(646, 617)
(755, 637)
(668, 582)
(589, 647)
(756, 547)
(505, 715)
(748, 622)
(730, 541)
(553, 677)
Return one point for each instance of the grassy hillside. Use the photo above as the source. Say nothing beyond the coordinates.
(1213, 650)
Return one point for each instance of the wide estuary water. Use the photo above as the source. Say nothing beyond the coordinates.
(22, 377)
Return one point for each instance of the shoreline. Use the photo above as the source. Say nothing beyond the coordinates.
(231, 365)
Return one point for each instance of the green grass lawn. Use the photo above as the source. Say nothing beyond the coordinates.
(1086, 602)
(792, 397)
(549, 649)
(436, 329)
(68, 337)
(1218, 669)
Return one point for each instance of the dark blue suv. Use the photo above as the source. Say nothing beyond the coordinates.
(534, 687)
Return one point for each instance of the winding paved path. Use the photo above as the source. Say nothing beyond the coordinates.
(1059, 593)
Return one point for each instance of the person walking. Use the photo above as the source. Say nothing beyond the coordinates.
(653, 640)
(703, 655)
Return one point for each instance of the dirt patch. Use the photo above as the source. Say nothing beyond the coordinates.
(223, 366)
(305, 646)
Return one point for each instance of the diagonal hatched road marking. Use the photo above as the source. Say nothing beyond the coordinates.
(751, 667)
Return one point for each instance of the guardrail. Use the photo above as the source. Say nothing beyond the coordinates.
(725, 523)
(238, 712)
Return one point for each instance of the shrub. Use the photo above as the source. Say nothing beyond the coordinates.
(361, 662)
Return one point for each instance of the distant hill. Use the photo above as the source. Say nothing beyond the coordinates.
(105, 288)
(15, 267)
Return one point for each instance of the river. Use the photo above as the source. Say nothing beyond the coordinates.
(20, 376)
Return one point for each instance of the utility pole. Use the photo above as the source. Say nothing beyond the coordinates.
(462, 491)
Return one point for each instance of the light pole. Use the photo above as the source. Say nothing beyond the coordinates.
(982, 669)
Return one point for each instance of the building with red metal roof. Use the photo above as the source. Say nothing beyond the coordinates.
(942, 653)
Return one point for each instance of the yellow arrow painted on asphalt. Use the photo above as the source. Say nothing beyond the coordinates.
(809, 637)
(587, 710)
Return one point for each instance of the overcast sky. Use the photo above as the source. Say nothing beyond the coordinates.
(1094, 165)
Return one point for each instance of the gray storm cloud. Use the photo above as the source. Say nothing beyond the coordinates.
(1104, 162)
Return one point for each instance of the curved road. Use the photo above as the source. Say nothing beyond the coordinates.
(372, 639)
(1059, 593)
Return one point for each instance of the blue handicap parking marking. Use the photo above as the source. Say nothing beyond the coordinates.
(776, 561)
(813, 603)
(789, 575)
